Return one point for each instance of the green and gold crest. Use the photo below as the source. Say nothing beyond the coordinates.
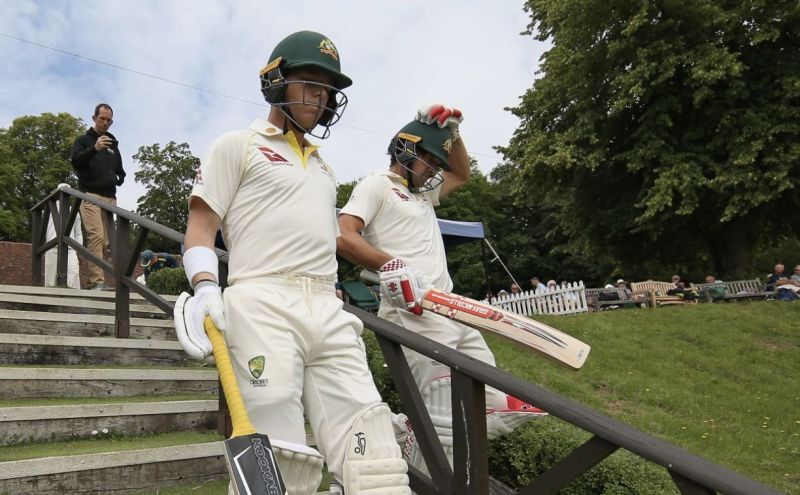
(327, 47)
(448, 145)
(256, 366)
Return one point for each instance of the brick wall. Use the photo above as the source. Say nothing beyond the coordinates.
(15, 265)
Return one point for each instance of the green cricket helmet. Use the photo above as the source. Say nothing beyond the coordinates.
(310, 50)
(418, 136)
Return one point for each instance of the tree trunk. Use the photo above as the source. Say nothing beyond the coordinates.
(732, 249)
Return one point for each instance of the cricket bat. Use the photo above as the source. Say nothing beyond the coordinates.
(534, 335)
(248, 454)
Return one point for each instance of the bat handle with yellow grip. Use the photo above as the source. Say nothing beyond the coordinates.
(239, 418)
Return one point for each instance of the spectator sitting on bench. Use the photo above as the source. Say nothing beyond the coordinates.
(796, 275)
(622, 285)
(787, 288)
(680, 289)
(715, 292)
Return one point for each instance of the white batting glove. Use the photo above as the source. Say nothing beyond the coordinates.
(400, 287)
(191, 311)
(443, 116)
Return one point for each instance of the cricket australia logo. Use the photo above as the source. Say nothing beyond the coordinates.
(256, 367)
(327, 47)
(361, 441)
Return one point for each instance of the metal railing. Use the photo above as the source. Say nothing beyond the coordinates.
(691, 474)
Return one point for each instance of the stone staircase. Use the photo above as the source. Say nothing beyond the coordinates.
(75, 400)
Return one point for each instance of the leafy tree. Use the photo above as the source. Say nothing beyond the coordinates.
(343, 192)
(476, 201)
(12, 214)
(663, 136)
(347, 271)
(34, 159)
(168, 174)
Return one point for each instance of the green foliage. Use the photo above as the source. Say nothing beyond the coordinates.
(169, 281)
(34, 159)
(380, 373)
(343, 192)
(658, 131)
(722, 395)
(519, 457)
(168, 174)
(710, 378)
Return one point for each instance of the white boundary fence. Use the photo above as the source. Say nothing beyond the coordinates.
(569, 298)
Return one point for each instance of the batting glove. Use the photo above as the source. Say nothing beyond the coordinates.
(190, 311)
(400, 287)
(442, 116)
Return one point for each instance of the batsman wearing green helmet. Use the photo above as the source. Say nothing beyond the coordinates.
(295, 352)
(389, 225)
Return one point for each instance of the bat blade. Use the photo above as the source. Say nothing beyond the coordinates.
(248, 455)
(532, 334)
(252, 465)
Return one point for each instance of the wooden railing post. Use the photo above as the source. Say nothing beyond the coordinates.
(120, 253)
(36, 243)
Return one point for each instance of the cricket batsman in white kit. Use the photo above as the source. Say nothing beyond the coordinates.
(389, 225)
(295, 352)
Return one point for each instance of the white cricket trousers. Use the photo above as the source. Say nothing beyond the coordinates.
(295, 352)
(447, 332)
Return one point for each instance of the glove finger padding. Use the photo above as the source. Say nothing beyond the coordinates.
(189, 313)
(441, 115)
(400, 287)
(300, 465)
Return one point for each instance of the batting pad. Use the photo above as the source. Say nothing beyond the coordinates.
(373, 464)
(436, 395)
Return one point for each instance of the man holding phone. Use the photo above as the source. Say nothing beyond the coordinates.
(98, 165)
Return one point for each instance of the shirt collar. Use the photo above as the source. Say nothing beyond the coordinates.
(265, 128)
(393, 177)
(268, 129)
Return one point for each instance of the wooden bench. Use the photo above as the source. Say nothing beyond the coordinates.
(657, 293)
(618, 297)
(737, 290)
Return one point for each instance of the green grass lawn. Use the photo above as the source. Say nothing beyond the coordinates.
(719, 380)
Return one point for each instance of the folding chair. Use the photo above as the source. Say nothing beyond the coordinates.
(358, 294)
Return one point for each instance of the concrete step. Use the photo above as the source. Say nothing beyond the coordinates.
(115, 473)
(58, 350)
(76, 325)
(63, 304)
(69, 422)
(78, 293)
(57, 382)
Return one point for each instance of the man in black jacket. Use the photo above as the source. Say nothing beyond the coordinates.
(98, 164)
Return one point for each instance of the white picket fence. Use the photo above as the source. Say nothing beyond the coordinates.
(569, 298)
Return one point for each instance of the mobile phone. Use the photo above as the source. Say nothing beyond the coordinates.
(114, 142)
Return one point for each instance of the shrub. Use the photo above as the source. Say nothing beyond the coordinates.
(169, 281)
(519, 457)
